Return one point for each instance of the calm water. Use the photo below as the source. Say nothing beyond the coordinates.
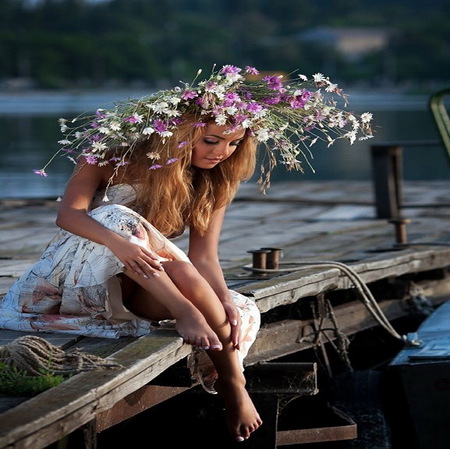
(29, 132)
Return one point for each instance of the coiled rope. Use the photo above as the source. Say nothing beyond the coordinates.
(36, 355)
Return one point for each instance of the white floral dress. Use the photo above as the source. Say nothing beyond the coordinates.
(74, 287)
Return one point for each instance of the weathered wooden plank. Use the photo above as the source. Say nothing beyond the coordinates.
(12, 268)
(60, 340)
(54, 413)
(135, 403)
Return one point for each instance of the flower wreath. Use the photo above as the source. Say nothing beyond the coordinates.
(286, 116)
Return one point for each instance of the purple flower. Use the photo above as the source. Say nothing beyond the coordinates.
(189, 95)
(199, 124)
(155, 167)
(132, 119)
(210, 86)
(251, 70)
(92, 160)
(254, 108)
(299, 101)
(229, 69)
(240, 118)
(230, 99)
(242, 105)
(40, 172)
(160, 126)
(247, 95)
(171, 161)
(182, 144)
(271, 100)
(273, 82)
(175, 121)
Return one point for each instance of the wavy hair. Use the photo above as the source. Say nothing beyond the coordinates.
(177, 194)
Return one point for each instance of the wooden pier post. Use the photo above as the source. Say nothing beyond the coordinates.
(387, 179)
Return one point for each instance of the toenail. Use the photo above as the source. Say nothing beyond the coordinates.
(240, 439)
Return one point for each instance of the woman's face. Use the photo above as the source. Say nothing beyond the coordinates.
(215, 146)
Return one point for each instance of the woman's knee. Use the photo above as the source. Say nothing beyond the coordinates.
(181, 272)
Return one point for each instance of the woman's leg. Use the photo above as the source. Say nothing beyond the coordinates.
(242, 417)
(158, 298)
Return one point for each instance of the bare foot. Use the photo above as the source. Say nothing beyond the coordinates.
(195, 331)
(241, 415)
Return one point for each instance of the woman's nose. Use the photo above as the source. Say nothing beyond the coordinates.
(223, 148)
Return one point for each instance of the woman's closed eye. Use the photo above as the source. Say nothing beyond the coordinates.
(210, 141)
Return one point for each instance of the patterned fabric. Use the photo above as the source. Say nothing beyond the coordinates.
(73, 288)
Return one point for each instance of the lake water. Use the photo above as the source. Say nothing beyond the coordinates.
(29, 133)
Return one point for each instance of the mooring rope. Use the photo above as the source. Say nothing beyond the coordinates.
(365, 294)
(36, 355)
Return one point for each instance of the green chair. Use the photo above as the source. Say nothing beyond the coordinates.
(440, 115)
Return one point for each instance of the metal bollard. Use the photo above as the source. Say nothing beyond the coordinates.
(259, 258)
(273, 258)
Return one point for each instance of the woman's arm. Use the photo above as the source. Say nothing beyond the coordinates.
(204, 254)
(73, 217)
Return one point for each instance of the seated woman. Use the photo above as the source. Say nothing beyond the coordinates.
(146, 171)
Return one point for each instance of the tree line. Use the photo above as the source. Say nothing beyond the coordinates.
(82, 43)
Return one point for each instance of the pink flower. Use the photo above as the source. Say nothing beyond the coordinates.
(230, 69)
(251, 70)
(132, 119)
(230, 99)
(159, 126)
(273, 82)
(40, 172)
(254, 108)
(189, 95)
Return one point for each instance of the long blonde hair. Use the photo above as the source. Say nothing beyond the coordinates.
(177, 194)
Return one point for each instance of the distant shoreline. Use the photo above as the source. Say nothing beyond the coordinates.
(42, 102)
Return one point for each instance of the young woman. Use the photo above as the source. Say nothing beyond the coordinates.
(146, 171)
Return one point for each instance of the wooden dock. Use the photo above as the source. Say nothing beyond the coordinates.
(322, 228)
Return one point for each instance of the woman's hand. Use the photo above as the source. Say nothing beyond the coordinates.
(135, 256)
(235, 321)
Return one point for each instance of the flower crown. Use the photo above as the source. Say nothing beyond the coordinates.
(286, 116)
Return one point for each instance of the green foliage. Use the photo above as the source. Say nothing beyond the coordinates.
(69, 43)
(14, 382)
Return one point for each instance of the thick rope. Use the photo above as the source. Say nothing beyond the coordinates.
(36, 356)
(365, 294)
